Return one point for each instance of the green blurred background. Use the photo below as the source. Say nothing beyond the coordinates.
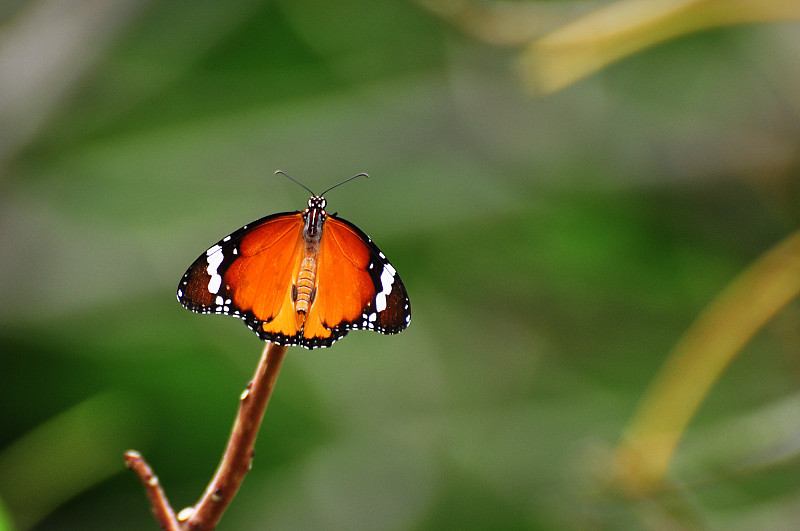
(555, 248)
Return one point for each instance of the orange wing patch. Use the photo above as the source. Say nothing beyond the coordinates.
(260, 280)
(344, 286)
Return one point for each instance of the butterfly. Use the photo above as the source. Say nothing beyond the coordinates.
(301, 278)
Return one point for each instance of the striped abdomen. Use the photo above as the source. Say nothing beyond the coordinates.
(306, 279)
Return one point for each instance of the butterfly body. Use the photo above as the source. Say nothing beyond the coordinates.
(299, 278)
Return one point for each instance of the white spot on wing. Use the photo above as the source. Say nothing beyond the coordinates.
(214, 259)
(387, 280)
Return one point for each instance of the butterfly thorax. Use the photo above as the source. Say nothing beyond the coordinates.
(305, 286)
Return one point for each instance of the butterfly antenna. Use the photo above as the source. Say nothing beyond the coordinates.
(341, 183)
(298, 182)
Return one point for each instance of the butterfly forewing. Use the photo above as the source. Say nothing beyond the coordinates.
(222, 279)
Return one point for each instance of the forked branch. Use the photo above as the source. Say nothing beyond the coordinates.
(205, 514)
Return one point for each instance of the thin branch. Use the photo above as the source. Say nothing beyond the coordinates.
(239, 453)
(152, 487)
(235, 461)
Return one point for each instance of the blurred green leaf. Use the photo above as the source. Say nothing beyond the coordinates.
(66, 455)
(5, 519)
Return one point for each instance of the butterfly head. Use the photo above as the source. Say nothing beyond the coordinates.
(316, 201)
(314, 216)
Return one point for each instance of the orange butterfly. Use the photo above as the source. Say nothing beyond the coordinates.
(299, 278)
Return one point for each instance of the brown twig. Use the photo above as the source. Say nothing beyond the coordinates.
(239, 452)
(152, 487)
(235, 462)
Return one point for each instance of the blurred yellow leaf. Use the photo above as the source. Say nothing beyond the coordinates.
(622, 28)
(697, 361)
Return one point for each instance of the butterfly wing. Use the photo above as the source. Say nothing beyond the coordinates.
(357, 287)
(249, 275)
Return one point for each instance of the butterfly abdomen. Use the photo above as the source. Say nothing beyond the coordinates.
(306, 279)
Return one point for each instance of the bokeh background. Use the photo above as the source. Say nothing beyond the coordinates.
(557, 239)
